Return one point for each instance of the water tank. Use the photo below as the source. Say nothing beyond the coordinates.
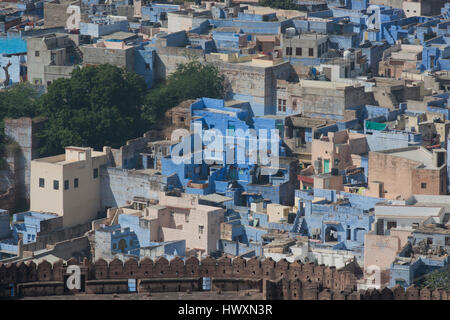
(290, 32)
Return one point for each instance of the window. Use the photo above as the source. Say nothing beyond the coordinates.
(447, 241)
(200, 229)
(114, 246)
(429, 240)
(423, 185)
(75, 183)
(289, 51)
(294, 105)
(147, 66)
(66, 184)
(95, 173)
(352, 65)
(41, 182)
(56, 184)
(231, 129)
(311, 52)
(391, 224)
(281, 105)
(298, 51)
(131, 242)
(36, 53)
(401, 282)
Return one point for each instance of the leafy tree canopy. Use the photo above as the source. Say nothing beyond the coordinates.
(16, 102)
(279, 4)
(97, 106)
(19, 101)
(189, 81)
(105, 105)
(439, 279)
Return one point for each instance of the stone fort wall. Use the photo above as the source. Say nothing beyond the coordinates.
(277, 280)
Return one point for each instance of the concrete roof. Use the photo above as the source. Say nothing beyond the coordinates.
(432, 230)
(214, 197)
(49, 258)
(418, 154)
(310, 122)
(407, 211)
(429, 200)
(120, 35)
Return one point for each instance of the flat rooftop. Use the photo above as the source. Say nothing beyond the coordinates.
(382, 210)
(120, 35)
(417, 154)
(61, 158)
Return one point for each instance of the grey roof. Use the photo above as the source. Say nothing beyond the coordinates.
(214, 197)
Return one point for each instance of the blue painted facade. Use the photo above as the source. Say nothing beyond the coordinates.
(155, 11)
(26, 225)
(406, 270)
(405, 274)
(139, 226)
(120, 240)
(144, 63)
(227, 41)
(341, 226)
(233, 171)
(436, 54)
(440, 104)
(255, 27)
(104, 28)
(10, 47)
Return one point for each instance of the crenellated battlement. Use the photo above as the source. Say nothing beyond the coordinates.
(277, 280)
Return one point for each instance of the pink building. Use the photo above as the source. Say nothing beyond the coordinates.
(380, 251)
(339, 150)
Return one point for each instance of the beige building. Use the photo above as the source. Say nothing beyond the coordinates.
(51, 57)
(68, 184)
(184, 19)
(414, 8)
(307, 45)
(277, 212)
(198, 224)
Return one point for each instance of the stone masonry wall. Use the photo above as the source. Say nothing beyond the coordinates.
(277, 280)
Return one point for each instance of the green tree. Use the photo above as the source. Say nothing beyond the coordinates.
(439, 279)
(97, 106)
(18, 101)
(279, 4)
(191, 80)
